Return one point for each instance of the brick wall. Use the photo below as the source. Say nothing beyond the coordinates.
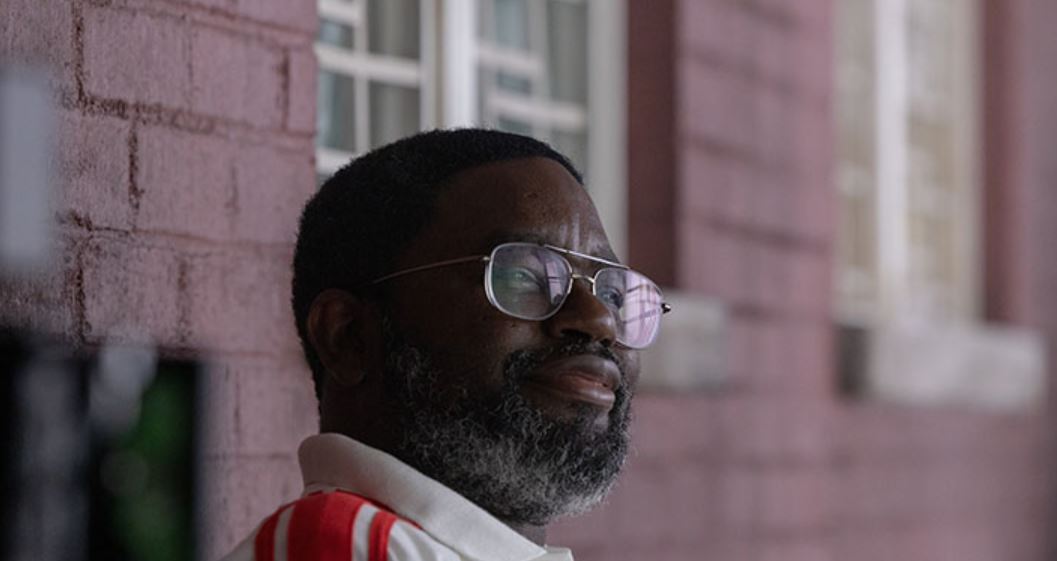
(185, 150)
(184, 155)
(730, 163)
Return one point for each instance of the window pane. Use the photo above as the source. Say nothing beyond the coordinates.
(484, 76)
(335, 117)
(393, 27)
(513, 125)
(394, 112)
(511, 24)
(567, 44)
(513, 82)
(574, 145)
(856, 151)
(337, 34)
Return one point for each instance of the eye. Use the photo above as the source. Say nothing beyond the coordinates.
(520, 278)
(611, 297)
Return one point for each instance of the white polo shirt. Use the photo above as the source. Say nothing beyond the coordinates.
(361, 504)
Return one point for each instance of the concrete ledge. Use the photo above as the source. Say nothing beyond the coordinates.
(690, 353)
(983, 366)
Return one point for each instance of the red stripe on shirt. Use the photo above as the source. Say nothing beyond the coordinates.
(381, 506)
(321, 527)
(264, 543)
(379, 540)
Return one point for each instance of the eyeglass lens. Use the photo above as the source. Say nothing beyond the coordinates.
(531, 282)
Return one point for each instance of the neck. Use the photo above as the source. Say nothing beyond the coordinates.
(537, 534)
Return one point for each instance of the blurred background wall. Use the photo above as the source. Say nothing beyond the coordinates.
(183, 154)
(851, 202)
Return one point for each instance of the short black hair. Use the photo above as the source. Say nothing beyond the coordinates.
(364, 216)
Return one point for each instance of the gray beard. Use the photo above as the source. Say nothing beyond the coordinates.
(498, 450)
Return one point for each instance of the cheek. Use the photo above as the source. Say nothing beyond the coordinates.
(471, 342)
(466, 336)
(484, 341)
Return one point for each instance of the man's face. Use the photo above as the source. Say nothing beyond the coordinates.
(527, 418)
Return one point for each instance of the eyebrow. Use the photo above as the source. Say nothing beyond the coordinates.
(603, 252)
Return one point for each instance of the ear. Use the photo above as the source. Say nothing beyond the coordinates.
(345, 331)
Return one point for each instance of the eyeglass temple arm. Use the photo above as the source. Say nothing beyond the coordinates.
(586, 256)
(430, 266)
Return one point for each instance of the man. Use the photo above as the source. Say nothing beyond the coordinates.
(473, 344)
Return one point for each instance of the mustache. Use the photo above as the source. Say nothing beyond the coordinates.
(520, 364)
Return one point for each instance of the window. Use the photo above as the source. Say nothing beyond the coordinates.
(389, 68)
(374, 84)
(908, 249)
(906, 161)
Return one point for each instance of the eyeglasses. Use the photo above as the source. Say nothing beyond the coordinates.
(531, 281)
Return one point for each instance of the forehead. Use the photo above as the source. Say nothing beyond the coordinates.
(529, 199)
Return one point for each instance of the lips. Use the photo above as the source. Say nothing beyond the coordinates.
(588, 379)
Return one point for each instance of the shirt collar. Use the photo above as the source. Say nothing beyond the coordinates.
(335, 460)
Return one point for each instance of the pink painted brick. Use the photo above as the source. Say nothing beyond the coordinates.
(272, 187)
(666, 428)
(767, 371)
(240, 491)
(92, 166)
(298, 14)
(740, 346)
(711, 260)
(136, 57)
(774, 55)
(229, 6)
(814, 212)
(646, 487)
(717, 29)
(774, 134)
(738, 499)
(814, 548)
(810, 285)
(276, 404)
(748, 428)
(713, 104)
(131, 292)
(814, 206)
(805, 420)
(812, 355)
(796, 500)
(767, 275)
(39, 32)
(710, 185)
(691, 491)
(239, 300)
(587, 532)
(46, 301)
(744, 264)
(301, 93)
(768, 428)
(779, 216)
(812, 55)
(187, 183)
(236, 77)
(221, 407)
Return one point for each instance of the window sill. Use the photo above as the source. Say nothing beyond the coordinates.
(980, 366)
(690, 353)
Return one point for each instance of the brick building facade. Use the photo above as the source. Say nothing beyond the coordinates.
(186, 147)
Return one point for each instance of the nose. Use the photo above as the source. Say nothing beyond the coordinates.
(582, 315)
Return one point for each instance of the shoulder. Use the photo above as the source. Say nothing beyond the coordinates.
(339, 526)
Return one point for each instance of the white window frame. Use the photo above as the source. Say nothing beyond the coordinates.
(891, 349)
(363, 65)
(447, 77)
(891, 236)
